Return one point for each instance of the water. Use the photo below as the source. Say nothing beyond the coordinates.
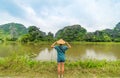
(78, 51)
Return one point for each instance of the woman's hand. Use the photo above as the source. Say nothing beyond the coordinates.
(52, 46)
(68, 44)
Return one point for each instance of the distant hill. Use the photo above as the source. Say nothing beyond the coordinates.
(105, 35)
(78, 33)
(9, 28)
(68, 33)
(115, 32)
(71, 33)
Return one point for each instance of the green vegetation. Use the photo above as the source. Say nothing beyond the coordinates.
(72, 33)
(12, 31)
(18, 32)
(34, 34)
(98, 36)
(20, 65)
(24, 66)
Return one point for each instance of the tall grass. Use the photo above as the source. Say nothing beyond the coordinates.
(24, 64)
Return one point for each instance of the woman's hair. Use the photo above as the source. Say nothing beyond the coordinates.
(61, 44)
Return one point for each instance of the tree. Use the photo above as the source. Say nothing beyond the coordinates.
(89, 37)
(25, 38)
(116, 33)
(72, 33)
(1, 36)
(101, 36)
(35, 34)
(50, 37)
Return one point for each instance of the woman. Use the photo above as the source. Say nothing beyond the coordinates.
(61, 48)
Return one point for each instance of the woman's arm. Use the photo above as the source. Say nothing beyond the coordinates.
(69, 46)
(52, 46)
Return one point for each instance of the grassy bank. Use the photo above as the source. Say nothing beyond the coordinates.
(49, 43)
(84, 42)
(23, 66)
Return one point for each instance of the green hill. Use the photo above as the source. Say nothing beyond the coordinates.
(71, 33)
(11, 28)
(78, 33)
(13, 31)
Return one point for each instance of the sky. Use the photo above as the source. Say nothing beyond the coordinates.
(53, 15)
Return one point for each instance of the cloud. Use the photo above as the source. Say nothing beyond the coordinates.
(7, 18)
(52, 15)
(10, 7)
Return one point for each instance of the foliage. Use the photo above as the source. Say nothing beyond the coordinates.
(35, 34)
(71, 33)
(98, 36)
(116, 32)
(15, 31)
(106, 35)
(49, 37)
(12, 31)
(24, 38)
(24, 64)
(21, 29)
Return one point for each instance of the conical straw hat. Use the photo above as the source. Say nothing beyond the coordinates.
(61, 41)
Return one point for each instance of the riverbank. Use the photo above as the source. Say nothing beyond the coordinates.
(73, 42)
(84, 42)
(25, 67)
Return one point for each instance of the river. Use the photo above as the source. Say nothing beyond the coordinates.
(108, 51)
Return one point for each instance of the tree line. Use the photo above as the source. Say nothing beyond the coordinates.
(17, 32)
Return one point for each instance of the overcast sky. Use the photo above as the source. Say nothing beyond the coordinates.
(52, 15)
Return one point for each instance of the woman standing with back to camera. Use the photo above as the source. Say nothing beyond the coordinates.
(61, 49)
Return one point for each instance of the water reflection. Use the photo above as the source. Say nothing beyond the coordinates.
(47, 55)
(51, 55)
(91, 54)
(78, 51)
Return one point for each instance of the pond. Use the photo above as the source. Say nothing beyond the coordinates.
(77, 52)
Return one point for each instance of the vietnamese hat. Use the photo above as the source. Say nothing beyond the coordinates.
(61, 41)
